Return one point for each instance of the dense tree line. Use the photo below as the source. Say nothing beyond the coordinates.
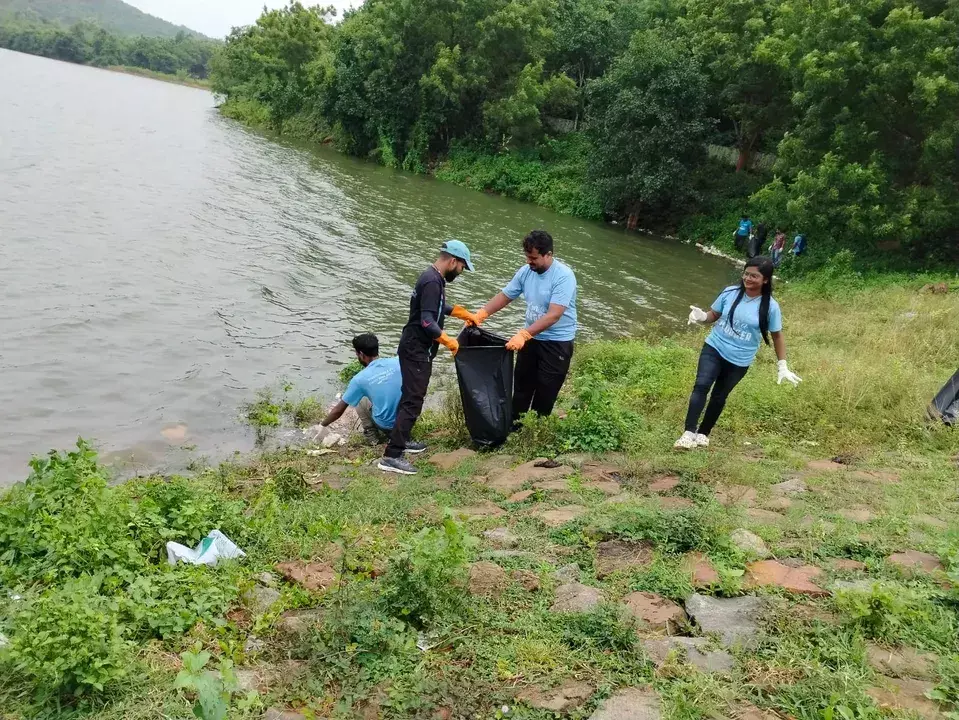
(86, 43)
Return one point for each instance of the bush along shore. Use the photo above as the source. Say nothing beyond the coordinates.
(805, 566)
(835, 119)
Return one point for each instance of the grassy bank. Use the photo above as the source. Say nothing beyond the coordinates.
(413, 611)
(180, 78)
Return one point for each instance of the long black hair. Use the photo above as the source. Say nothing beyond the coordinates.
(765, 266)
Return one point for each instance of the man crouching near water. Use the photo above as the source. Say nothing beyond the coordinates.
(422, 336)
(374, 391)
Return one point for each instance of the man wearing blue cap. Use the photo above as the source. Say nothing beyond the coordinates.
(422, 336)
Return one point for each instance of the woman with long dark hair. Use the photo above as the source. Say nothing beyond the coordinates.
(745, 313)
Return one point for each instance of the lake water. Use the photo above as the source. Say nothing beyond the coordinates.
(160, 264)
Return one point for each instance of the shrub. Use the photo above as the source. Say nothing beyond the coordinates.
(604, 629)
(895, 615)
(172, 600)
(672, 531)
(64, 521)
(178, 509)
(426, 580)
(68, 642)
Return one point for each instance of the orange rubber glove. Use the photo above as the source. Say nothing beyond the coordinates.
(461, 313)
(519, 340)
(452, 344)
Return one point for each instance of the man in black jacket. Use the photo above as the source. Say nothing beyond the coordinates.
(422, 336)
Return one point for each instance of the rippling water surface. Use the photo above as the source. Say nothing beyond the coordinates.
(160, 264)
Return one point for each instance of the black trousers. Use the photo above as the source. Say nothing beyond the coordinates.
(416, 366)
(541, 369)
(722, 376)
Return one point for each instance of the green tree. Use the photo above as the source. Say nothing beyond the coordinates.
(649, 126)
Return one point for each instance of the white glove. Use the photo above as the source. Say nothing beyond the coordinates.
(697, 316)
(331, 438)
(316, 433)
(786, 374)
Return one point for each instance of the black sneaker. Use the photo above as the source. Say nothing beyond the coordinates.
(373, 437)
(396, 465)
(415, 448)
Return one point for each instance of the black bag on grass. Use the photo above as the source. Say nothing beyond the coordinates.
(484, 370)
(945, 406)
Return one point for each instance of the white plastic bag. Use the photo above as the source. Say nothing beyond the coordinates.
(212, 548)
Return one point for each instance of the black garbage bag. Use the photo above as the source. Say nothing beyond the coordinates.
(945, 406)
(484, 369)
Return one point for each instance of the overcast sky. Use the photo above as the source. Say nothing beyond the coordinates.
(216, 17)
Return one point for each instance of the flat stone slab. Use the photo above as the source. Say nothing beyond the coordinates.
(905, 694)
(601, 472)
(664, 483)
(311, 576)
(702, 570)
(764, 517)
(735, 620)
(449, 460)
(779, 504)
(558, 485)
(569, 695)
(902, 662)
(283, 714)
(654, 612)
(736, 495)
(259, 599)
(509, 481)
(299, 622)
(847, 564)
(694, 649)
(607, 487)
(521, 496)
(930, 521)
(569, 573)
(857, 513)
(749, 543)
(789, 488)
(883, 477)
(615, 555)
(792, 579)
(629, 704)
(557, 517)
(501, 537)
(825, 466)
(487, 579)
(915, 560)
(575, 597)
(527, 578)
(477, 512)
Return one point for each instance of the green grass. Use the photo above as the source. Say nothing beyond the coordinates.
(869, 367)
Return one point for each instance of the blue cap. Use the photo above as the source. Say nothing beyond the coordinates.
(458, 249)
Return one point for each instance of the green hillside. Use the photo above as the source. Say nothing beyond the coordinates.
(112, 15)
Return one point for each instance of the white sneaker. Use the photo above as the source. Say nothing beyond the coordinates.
(687, 441)
(702, 440)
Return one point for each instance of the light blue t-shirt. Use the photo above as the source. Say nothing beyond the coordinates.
(381, 382)
(745, 227)
(557, 286)
(739, 343)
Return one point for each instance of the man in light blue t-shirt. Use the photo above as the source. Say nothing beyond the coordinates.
(374, 391)
(545, 346)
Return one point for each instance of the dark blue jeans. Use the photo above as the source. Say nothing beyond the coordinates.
(722, 376)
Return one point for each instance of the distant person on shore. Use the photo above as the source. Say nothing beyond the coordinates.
(545, 346)
(422, 336)
(777, 247)
(757, 241)
(745, 229)
(745, 313)
(374, 391)
(799, 245)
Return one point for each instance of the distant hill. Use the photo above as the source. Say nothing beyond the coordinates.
(112, 15)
